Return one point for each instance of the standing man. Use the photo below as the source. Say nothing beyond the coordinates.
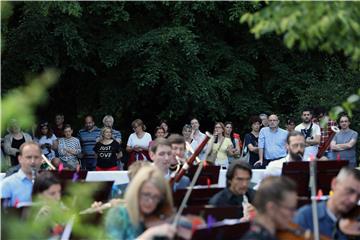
(17, 188)
(88, 137)
(275, 203)
(272, 142)
(344, 142)
(108, 121)
(237, 191)
(264, 120)
(197, 137)
(59, 125)
(346, 194)
(312, 134)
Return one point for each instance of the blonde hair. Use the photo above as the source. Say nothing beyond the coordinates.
(103, 132)
(132, 194)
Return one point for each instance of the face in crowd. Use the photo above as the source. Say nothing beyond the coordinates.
(59, 120)
(344, 122)
(273, 121)
(255, 126)
(240, 181)
(68, 132)
(149, 198)
(53, 192)
(89, 123)
(186, 132)
(296, 147)
(195, 124)
(162, 157)
(306, 117)
(160, 133)
(228, 128)
(218, 130)
(30, 158)
(177, 150)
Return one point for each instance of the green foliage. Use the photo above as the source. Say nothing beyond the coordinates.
(329, 26)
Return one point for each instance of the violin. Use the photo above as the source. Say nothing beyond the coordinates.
(295, 232)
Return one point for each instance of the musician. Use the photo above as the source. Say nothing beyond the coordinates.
(17, 188)
(344, 142)
(346, 194)
(148, 200)
(237, 191)
(161, 153)
(275, 202)
(295, 144)
(311, 132)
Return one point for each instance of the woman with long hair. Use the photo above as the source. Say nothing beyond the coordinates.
(47, 140)
(148, 201)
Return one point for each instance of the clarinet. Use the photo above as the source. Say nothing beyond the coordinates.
(33, 175)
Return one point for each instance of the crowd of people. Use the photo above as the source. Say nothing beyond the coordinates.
(148, 209)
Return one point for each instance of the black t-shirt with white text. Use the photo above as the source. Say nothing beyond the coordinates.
(106, 154)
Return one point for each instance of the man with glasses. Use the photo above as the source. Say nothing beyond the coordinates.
(344, 142)
(275, 203)
(331, 213)
(272, 142)
(237, 191)
(311, 132)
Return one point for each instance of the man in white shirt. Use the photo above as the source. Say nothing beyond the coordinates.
(312, 134)
(197, 137)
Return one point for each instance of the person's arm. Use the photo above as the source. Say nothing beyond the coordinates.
(252, 148)
(164, 230)
(261, 157)
(7, 146)
(313, 141)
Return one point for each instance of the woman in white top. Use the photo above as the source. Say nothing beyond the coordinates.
(47, 140)
(138, 142)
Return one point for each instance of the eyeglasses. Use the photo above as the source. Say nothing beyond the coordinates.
(148, 196)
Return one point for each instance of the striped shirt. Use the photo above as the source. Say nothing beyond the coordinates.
(88, 141)
(69, 143)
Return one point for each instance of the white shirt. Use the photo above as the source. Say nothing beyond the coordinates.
(141, 142)
(310, 151)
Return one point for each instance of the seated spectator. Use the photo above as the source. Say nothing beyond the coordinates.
(237, 191)
(14, 140)
(69, 149)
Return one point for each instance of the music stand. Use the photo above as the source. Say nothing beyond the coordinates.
(207, 173)
(326, 171)
(219, 213)
(69, 174)
(199, 196)
(221, 230)
(299, 172)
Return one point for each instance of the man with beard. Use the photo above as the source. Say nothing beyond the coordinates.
(311, 132)
(295, 144)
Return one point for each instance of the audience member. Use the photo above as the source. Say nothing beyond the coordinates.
(69, 149)
(251, 140)
(164, 124)
(107, 151)
(272, 142)
(312, 134)
(47, 140)
(59, 125)
(344, 142)
(235, 139)
(14, 140)
(108, 121)
(158, 132)
(197, 137)
(264, 120)
(88, 137)
(138, 142)
(290, 125)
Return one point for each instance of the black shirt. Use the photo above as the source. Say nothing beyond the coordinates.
(106, 154)
(258, 232)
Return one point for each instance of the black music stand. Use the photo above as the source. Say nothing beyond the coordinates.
(199, 196)
(219, 213)
(325, 172)
(69, 174)
(208, 172)
(221, 230)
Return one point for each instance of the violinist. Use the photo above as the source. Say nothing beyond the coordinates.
(148, 200)
(237, 191)
(275, 202)
(346, 194)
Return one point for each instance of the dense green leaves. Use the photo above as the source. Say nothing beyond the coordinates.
(169, 60)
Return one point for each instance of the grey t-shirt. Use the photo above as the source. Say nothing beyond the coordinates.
(345, 137)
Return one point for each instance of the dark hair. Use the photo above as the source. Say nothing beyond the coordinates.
(236, 164)
(186, 126)
(307, 109)
(43, 181)
(293, 134)
(157, 129)
(67, 126)
(342, 115)
(176, 139)
(272, 189)
(38, 133)
(231, 134)
(254, 119)
(158, 142)
(290, 120)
